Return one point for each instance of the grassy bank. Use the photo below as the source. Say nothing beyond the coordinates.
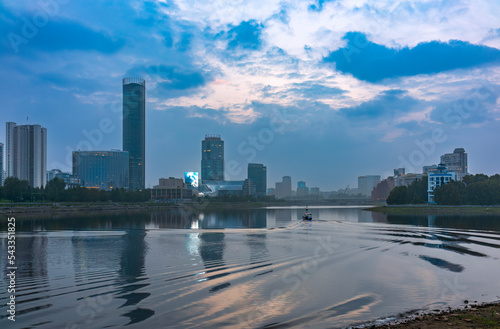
(477, 316)
(66, 207)
(436, 210)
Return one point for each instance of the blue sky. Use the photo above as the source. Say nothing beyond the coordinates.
(323, 91)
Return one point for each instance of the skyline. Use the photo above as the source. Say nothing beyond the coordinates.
(349, 87)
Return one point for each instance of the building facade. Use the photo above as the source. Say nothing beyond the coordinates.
(284, 188)
(212, 159)
(1, 164)
(171, 189)
(456, 162)
(134, 130)
(382, 190)
(367, 183)
(102, 169)
(437, 178)
(69, 179)
(257, 173)
(302, 189)
(27, 153)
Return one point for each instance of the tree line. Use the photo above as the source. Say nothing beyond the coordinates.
(472, 190)
(17, 190)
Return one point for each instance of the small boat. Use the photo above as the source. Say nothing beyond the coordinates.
(307, 215)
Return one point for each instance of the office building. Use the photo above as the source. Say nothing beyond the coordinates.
(257, 173)
(249, 188)
(428, 169)
(134, 130)
(69, 179)
(382, 190)
(212, 159)
(367, 183)
(437, 178)
(302, 189)
(1, 164)
(27, 153)
(284, 188)
(456, 162)
(172, 189)
(399, 171)
(103, 170)
(407, 179)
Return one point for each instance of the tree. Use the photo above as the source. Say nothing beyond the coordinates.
(16, 189)
(451, 193)
(398, 195)
(55, 189)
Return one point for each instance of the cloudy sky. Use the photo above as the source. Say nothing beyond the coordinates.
(321, 90)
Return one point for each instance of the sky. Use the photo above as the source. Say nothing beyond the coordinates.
(320, 90)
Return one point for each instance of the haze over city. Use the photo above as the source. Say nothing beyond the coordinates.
(322, 91)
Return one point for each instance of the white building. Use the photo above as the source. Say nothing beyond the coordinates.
(437, 178)
(27, 153)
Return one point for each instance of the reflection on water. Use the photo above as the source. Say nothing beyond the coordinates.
(253, 268)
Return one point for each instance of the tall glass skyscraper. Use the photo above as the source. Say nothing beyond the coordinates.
(257, 172)
(27, 153)
(212, 158)
(134, 130)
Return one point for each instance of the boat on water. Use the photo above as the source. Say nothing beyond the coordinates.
(307, 215)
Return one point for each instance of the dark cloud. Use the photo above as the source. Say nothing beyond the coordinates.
(386, 105)
(246, 35)
(40, 31)
(371, 62)
(172, 81)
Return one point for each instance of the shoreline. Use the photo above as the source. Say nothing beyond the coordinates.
(435, 210)
(473, 315)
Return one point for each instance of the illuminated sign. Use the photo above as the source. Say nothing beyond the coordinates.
(191, 179)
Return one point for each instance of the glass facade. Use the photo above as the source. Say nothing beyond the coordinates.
(258, 174)
(134, 130)
(102, 169)
(212, 158)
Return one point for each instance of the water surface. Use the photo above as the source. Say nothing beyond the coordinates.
(188, 268)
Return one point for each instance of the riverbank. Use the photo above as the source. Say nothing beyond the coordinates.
(436, 210)
(472, 316)
(62, 207)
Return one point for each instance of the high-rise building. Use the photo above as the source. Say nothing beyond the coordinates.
(284, 188)
(27, 153)
(302, 189)
(102, 169)
(134, 130)
(257, 173)
(367, 183)
(212, 158)
(1, 164)
(456, 162)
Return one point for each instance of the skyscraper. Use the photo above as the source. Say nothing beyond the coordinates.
(257, 172)
(212, 158)
(1, 164)
(134, 130)
(27, 153)
(456, 162)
